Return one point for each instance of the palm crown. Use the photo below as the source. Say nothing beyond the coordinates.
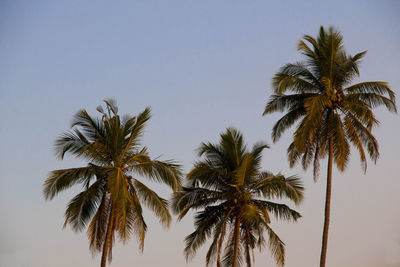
(326, 104)
(112, 196)
(226, 186)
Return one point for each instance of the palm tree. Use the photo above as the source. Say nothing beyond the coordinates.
(226, 186)
(112, 196)
(332, 113)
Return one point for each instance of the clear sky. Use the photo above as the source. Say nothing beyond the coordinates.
(202, 66)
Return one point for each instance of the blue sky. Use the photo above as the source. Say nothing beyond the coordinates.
(202, 66)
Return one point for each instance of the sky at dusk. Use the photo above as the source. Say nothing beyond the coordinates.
(202, 66)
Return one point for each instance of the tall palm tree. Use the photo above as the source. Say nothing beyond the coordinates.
(228, 187)
(332, 113)
(112, 196)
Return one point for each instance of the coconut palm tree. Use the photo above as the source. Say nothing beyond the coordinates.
(332, 113)
(227, 187)
(112, 196)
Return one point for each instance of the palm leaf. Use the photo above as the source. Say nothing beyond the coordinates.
(157, 204)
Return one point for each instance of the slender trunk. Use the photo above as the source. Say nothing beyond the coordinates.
(237, 237)
(107, 240)
(327, 205)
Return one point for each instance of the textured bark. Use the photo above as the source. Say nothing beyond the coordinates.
(327, 205)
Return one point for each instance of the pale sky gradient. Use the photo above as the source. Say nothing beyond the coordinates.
(202, 66)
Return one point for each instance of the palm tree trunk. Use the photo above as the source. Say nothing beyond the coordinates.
(327, 205)
(107, 241)
(237, 237)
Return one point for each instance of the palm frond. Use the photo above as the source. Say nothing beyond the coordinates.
(73, 142)
(278, 186)
(246, 169)
(276, 246)
(157, 204)
(136, 218)
(219, 235)
(374, 87)
(91, 127)
(60, 180)
(204, 173)
(193, 198)
(281, 211)
(229, 252)
(282, 102)
(167, 172)
(374, 100)
(353, 136)
(205, 221)
(286, 122)
(82, 207)
(97, 228)
(136, 130)
(295, 78)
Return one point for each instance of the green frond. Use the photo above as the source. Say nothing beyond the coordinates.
(137, 157)
(73, 142)
(246, 170)
(91, 127)
(205, 221)
(257, 150)
(295, 78)
(167, 172)
(232, 143)
(219, 235)
(353, 136)
(82, 207)
(286, 122)
(366, 137)
(111, 106)
(281, 102)
(137, 220)
(314, 116)
(229, 252)
(374, 87)
(374, 100)
(157, 204)
(205, 173)
(361, 111)
(280, 211)
(276, 246)
(279, 186)
(60, 180)
(96, 231)
(341, 148)
(136, 130)
(193, 198)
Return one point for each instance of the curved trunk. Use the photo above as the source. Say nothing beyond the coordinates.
(327, 205)
(107, 240)
(237, 237)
